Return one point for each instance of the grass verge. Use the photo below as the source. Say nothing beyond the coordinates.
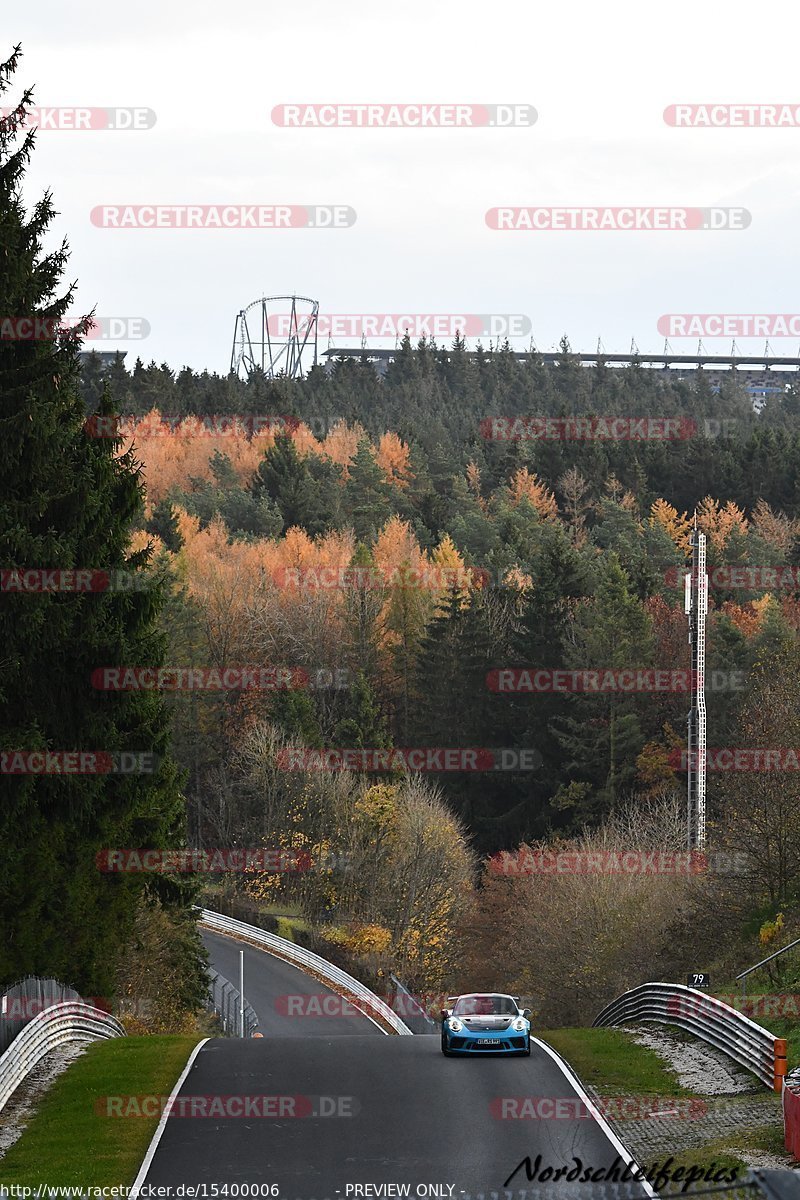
(67, 1142)
(785, 1027)
(610, 1061)
(726, 1153)
(614, 1065)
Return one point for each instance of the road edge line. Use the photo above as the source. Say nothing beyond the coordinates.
(573, 1079)
(151, 1149)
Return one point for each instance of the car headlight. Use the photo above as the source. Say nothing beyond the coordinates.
(455, 1024)
(518, 1024)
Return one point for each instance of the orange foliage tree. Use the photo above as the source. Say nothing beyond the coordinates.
(775, 528)
(678, 527)
(392, 456)
(720, 521)
(526, 485)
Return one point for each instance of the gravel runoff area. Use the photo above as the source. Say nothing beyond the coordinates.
(22, 1105)
(733, 1100)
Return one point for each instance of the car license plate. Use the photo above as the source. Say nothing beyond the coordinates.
(485, 1042)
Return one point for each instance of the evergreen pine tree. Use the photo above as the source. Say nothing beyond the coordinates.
(164, 523)
(602, 737)
(366, 494)
(67, 501)
(361, 724)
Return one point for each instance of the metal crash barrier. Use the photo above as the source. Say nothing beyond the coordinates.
(707, 1018)
(71, 1021)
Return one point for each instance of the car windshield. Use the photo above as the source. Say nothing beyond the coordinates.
(485, 1006)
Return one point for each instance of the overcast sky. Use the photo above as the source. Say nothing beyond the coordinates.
(598, 75)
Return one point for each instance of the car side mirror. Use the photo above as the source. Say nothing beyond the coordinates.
(445, 1013)
(526, 1012)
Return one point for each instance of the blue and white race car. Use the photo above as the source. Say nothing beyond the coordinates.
(485, 1021)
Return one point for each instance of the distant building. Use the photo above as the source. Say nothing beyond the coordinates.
(106, 357)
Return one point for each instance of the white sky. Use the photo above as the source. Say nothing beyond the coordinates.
(599, 76)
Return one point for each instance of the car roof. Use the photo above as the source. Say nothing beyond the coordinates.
(474, 995)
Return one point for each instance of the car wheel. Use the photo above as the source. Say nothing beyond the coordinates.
(527, 1050)
(445, 1051)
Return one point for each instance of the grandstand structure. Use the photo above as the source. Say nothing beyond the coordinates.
(762, 375)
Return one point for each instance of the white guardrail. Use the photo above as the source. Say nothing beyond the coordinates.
(339, 981)
(69, 1021)
(702, 1015)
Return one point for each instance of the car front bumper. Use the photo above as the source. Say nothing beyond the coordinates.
(505, 1041)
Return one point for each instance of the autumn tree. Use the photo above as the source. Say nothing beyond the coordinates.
(623, 928)
(678, 527)
(574, 489)
(525, 484)
(392, 456)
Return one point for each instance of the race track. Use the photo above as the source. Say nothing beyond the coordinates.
(330, 1112)
(268, 981)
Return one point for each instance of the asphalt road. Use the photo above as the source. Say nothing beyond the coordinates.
(280, 992)
(394, 1111)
